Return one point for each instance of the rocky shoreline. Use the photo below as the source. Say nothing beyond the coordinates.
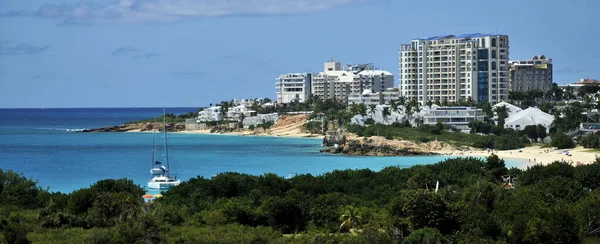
(367, 147)
(339, 141)
(172, 127)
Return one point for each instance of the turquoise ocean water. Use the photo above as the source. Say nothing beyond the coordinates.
(40, 144)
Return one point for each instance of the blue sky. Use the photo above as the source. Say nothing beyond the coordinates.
(130, 53)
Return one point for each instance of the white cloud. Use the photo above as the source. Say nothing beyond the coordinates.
(141, 11)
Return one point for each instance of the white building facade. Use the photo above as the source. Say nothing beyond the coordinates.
(334, 83)
(293, 86)
(368, 97)
(210, 114)
(455, 67)
(458, 117)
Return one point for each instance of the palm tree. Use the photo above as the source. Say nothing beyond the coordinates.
(385, 112)
(350, 218)
(502, 112)
(402, 100)
(372, 108)
(429, 103)
(393, 105)
(362, 109)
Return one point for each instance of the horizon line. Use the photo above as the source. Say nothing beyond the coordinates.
(94, 107)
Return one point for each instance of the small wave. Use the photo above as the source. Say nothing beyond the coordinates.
(63, 129)
(76, 129)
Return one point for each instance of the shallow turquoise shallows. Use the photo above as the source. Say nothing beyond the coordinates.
(40, 144)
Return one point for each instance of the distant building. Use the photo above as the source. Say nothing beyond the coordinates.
(357, 68)
(334, 83)
(378, 98)
(455, 67)
(530, 116)
(512, 109)
(293, 86)
(210, 114)
(580, 83)
(377, 80)
(259, 119)
(239, 112)
(534, 74)
(458, 117)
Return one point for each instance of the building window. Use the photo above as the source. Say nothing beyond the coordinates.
(493, 42)
(493, 65)
(493, 53)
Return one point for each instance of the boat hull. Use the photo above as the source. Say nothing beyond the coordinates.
(163, 185)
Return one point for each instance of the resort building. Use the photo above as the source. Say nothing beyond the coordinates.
(334, 83)
(377, 98)
(259, 119)
(458, 117)
(239, 112)
(530, 116)
(534, 74)
(293, 87)
(210, 114)
(357, 68)
(580, 83)
(512, 109)
(455, 67)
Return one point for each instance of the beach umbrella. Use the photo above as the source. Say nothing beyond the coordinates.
(147, 196)
(158, 195)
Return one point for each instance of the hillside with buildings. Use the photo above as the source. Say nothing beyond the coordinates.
(454, 83)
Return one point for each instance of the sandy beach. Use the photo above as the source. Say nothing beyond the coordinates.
(535, 155)
(291, 134)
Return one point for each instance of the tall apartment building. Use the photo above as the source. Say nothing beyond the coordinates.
(534, 74)
(335, 83)
(293, 86)
(455, 67)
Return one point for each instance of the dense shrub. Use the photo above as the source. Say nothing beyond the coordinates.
(555, 203)
(590, 140)
(561, 141)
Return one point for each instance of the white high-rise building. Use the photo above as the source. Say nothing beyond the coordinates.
(334, 83)
(455, 67)
(293, 86)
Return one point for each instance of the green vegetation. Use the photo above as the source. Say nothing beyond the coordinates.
(314, 127)
(505, 140)
(170, 118)
(557, 203)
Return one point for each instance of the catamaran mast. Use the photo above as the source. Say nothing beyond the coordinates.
(165, 133)
(153, 144)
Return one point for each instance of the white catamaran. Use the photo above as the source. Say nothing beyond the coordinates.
(156, 167)
(163, 180)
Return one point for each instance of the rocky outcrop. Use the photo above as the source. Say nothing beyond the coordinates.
(368, 147)
(172, 127)
(335, 137)
(225, 128)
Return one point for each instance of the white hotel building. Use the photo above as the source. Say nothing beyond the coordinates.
(293, 86)
(335, 83)
(455, 67)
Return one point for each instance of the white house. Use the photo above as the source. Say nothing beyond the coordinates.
(458, 117)
(259, 119)
(237, 112)
(396, 115)
(210, 114)
(369, 97)
(512, 109)
(530, 116)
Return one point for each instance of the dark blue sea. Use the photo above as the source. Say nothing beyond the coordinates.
(41, 144)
